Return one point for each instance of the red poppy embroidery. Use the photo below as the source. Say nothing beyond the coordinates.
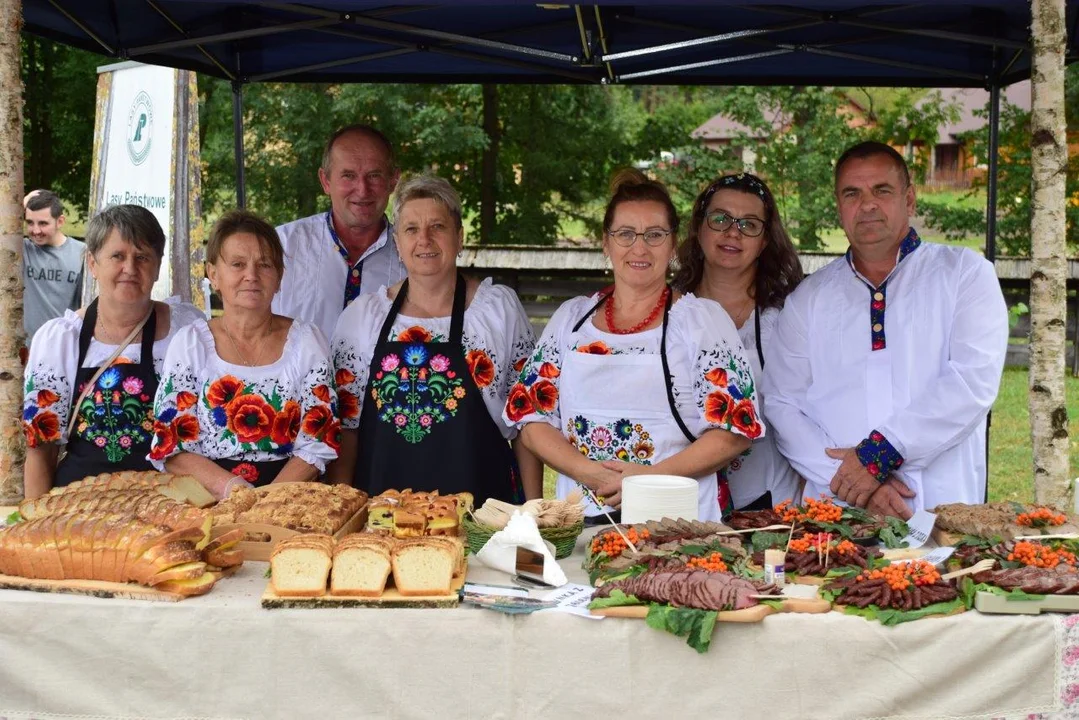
(414, 334)
(250, 418)
(286, 426)
(348, 406)
(744, 419)
(317, 420)
(247, 472)
(344, 376)
(46, 397)
(481, 367)
(185, 400)
(717, 376)
(717, 408)
(224, 390)
(594, 348)
(164, 440)
(549, 370)
(544, 396)
(519, 404)
(186, 428)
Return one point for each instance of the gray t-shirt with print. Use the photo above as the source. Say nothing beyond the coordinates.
(53, 281)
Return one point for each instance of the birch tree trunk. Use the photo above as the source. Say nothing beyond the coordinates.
(12, 449)
(1048, 290)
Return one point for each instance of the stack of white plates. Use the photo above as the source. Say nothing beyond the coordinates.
(654, 497)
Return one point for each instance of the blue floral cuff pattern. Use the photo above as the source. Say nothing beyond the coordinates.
(878, 456)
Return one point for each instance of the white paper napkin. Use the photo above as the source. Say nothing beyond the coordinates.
(500, 552)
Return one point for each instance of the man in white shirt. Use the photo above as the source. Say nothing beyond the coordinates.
(333, 257)
(885, 363)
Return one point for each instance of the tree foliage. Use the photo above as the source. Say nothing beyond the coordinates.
(59, 91)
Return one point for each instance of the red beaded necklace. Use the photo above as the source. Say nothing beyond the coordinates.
(609, 314)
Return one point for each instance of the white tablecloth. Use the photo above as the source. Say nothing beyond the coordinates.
(223, 656)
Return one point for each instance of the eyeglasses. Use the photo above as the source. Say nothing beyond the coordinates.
(721, 222)
(626, 236)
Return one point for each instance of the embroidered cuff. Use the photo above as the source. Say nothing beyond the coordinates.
(878, 456)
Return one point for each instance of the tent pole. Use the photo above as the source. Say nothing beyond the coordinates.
(991, 221)
(238, 141)
(991, 179)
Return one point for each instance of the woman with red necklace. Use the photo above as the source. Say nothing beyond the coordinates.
(638, 378)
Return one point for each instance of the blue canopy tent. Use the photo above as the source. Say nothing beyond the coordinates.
(718, 42)
(823, 42)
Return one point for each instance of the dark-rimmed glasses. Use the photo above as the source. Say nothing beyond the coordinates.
(721, 222)
(627, 236)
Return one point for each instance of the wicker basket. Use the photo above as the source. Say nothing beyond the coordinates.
(563, 538)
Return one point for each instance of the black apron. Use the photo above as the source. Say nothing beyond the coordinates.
(424, 424)
(258, 473)
(115, 419)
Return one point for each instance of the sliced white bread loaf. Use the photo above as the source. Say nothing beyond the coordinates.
(300, 565)
(360, 570)
(423, 568)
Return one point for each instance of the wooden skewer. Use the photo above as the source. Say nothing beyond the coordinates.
(827, 547)
(790, 537)
(592, 496)
(753, 530)
(1065, 536)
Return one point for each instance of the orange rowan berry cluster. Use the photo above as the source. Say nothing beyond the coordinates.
(901, 576)
(612, 544)
(712, 563)
(823, 510)
(1041, 517)
(1040, 556)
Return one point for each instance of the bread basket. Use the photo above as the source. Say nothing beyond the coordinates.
(563, 538)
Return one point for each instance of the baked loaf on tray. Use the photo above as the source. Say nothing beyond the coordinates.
(304, 507)
(360, 565)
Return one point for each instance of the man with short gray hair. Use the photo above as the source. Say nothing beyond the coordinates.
(52, 263)
(333, 257)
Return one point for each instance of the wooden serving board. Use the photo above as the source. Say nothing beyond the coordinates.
(748, 615)
(261, 550)
(93, 588)
(389, 599)
(988, 602)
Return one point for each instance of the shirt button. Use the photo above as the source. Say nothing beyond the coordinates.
(878, 327)
(878, 296)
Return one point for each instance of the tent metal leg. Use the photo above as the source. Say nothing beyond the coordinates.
(238, 142)
(991, 221)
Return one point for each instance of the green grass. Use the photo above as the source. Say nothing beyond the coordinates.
(1010, 456)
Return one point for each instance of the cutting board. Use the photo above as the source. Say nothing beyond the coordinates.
(991, 603)
(389, 599)
(748, 615)
(93, 588)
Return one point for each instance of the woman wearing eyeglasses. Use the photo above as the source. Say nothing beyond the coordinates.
(637, 378)
(737, 253)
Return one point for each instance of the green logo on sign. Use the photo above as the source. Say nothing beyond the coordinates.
(140, 128)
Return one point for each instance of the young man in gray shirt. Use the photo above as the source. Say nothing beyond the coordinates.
(52, 263)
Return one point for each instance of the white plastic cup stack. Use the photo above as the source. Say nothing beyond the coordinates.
(654, 497)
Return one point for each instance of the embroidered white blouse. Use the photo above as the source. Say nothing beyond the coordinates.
(219, 410)
(763, 469)
(316, 275)
(50, 371)
(710, 374)
(923, 373)
(497, 339)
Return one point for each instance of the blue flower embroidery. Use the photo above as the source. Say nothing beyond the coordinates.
(415, 355)
(219, 416)
(580, 425)
(735, 391)
(29, 413)
(623, 428)
(109, 379)
(167, 415)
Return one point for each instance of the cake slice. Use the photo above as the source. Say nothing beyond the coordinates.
(423, 568)
(409, 523)
(300, 566)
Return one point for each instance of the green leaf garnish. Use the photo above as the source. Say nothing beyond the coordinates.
(13, 518)
(694, 625)
(616, 599)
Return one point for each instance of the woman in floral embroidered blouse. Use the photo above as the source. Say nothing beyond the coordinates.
(113, 422)
(737, 253)
(637, 378)
(248, 397)
(423, 368)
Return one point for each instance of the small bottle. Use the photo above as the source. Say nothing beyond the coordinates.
(775, 562)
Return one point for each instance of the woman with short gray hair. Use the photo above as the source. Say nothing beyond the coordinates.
(423, 368)
(92, 374)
